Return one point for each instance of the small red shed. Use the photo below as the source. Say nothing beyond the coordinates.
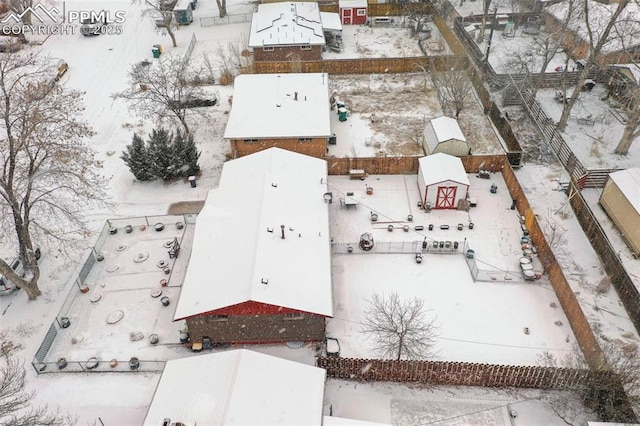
(353, 12)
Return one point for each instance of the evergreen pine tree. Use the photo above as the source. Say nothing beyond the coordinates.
(137, 159)
(186, 155)
(161, 154)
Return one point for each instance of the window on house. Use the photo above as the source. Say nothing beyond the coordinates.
(304, 140)
(220, 318)
(305, 47)
(361, 12)
(267, 49)
(250, 140)
(293, 317)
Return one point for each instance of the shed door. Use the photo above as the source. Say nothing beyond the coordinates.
(347, 16)
(446, 197)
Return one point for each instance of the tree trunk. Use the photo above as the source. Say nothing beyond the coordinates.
(222, 7)
(630, 132)
(568, 106)
(32, 290)
(172, 35)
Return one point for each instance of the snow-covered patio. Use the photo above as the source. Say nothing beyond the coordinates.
(124, 297)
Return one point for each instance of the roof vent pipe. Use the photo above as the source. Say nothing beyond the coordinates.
(295, 96)
(282, 228)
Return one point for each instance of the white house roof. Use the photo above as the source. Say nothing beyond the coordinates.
(286, 24)
(238, 387)
(446, 128)
(264, 106)
(442, 167)
(331, 21)
(352, 4)
(238, 253)
(623, 35)
(628, 181)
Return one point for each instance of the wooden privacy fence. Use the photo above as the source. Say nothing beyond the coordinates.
(373, 165)
(365, 65)
(455, 373)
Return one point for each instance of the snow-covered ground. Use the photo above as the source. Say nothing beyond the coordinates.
(99, 66)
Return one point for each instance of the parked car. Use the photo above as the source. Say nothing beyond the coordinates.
(6, 285)
(193, 102)
(92, 27)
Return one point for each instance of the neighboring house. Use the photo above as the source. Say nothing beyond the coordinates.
(443, 134)
(260, 266)
(237, 387)
(623, 44)
(353, 12)
(289, 111)
(287, 31)
(620, 198)
(442, 181)
(240, 388)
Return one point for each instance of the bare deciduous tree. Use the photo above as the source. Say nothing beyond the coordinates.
(599, 29)
(400, 328)
(16, 402)
(161, 11)
(48, 173)
(419, 13)
(454, 88)
(157, 90)
(611, 390)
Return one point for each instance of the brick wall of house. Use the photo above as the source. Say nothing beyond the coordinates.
(288, 54)
(316, 147)
(257, 328)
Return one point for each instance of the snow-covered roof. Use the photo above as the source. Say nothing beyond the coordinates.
(238, 253)
(623, 35)
(238, 387)
(286, 24)
(446, 128)
(352, 4)
(442, 167)
(331, 21)
(265, 106)
(628, 181)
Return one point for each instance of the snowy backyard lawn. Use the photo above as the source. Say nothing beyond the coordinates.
(124, 296)
(361, 41)
(594, 129)
(471, 314)
(388, 114)
(412, 404)
(503, 49)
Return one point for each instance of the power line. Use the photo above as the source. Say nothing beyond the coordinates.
(475, 342)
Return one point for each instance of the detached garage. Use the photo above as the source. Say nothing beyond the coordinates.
(443, 134)
(442, 181)
(621, 200)
(353, 12)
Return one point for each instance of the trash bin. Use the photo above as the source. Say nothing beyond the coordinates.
(159, 47)
(192, 181)
(156, 52)
(342, 114)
